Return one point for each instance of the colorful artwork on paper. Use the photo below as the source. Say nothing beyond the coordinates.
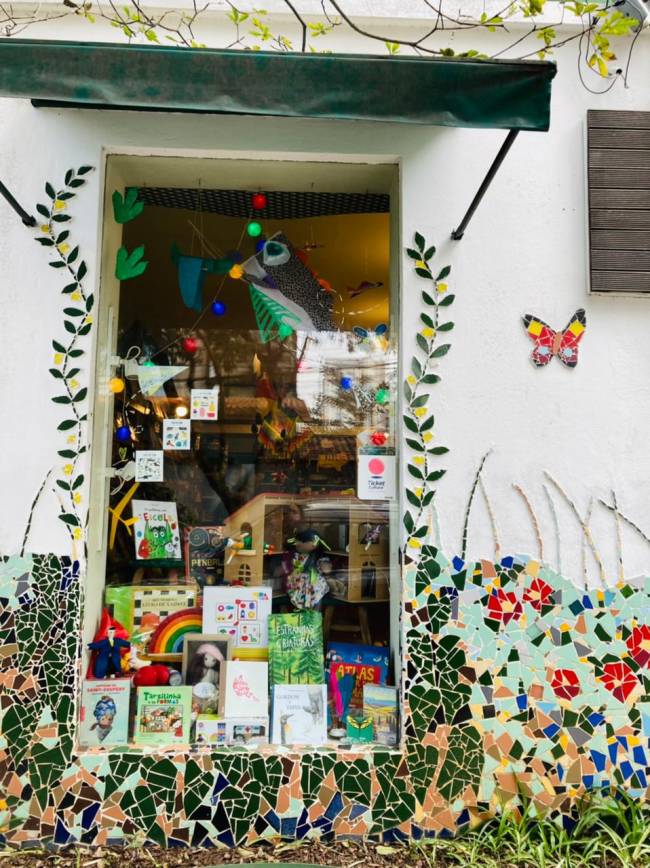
(548, 343)
(156, 530)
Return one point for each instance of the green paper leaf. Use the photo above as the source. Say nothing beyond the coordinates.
(69, 327)
(421, 531)
(63, 197)
(415, 445)
(72, 373)
(77, 182)
(427, 298)
(84, 331)
(81, 271)
(68, 518)
(130, 265)
(412, 497)
(446, 301)
(446, 326)
(62, 399)
(73, 311)
(69, 175)
(414, 254)
(430, 379)
(127, 207)
(428, 423)
(420, 401)
(408, 521)
(58, 347)
(419, 242)
(49, 189)
(440, 351)
(444, 272)
(83, 170)
(78, 481)
(46, 242)
(43, 211)
(66, 425)
(90, 302)
(411, 424)
(428, 497)
(408, 391)
(422, 342)
(437, 474)
(56, 264)
(426, 319)
(60, 218)
(429, 253)
(415, 471)
(73, 254)
(56, 373)
(438, 450)
(76, 353)
(416, 367)
(62, 484)
(422, 272)
(67, 453)
(81, 394)
(62, 236)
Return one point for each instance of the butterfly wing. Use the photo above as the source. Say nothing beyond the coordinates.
(571, 337)
(543, 337)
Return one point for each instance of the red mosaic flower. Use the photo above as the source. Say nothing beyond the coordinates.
(504, 606)
(619, 679)
(638, 645)
(538, 594)
(565, 683)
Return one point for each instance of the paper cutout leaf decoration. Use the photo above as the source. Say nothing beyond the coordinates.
(128, 265)
(152, 377)
(126, 208)
(274, 321)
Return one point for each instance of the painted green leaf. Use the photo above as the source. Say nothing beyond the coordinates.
(446, 300)
(72, 311)
(56, 373)
(58, 347)
(49, 189)
(420, 401)
(426, 319)
(56, 264)
(81, 271)
(428, 423)
(412, 497)
(62, 484)
(414, 254)
(62, 399)
(422, 342)
(83, 170)
(129, 265)
(408, 521)
(416, 367)
(429, 253)
(73, 254)
(78, 481)
(45, 212)
(67, 453)
(84, 330)
(419, 242)
(415, 471)
(436, 474)
(429, 379)
(442, 350)
(415, 445)
(127, 207)
(411, 424)
(444, 272)
(446, 326)
(427, 298)
(423, 272)
(66, 424)
(68, 518)
(438, 450)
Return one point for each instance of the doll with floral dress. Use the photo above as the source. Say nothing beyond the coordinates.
(306, 568)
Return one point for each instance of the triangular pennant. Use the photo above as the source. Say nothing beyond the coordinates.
(152, 377)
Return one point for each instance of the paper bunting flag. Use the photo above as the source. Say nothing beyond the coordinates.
(152, 377)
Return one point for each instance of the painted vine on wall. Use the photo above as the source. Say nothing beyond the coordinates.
(77, 322)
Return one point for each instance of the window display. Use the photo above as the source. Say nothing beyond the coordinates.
(251, 512)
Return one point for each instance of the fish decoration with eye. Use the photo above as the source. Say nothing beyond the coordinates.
(373, 339)
(354, 291)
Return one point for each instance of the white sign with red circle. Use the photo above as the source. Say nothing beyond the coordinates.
(375, 477)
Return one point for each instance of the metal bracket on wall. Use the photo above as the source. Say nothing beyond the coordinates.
(27, 219)
(457, 234)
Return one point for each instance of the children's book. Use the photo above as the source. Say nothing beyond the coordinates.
(244, 689)
(359, 728)
(143, 607)
(380, 704)
(299, 714)
(156, 531)
(204, 548)
(210, 729)
(104, 716)
(241, 614)
(296, 648)
(163, 716)
(369, 663)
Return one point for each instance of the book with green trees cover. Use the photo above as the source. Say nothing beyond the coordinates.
(296, 648)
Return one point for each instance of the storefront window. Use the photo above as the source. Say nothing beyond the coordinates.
(246, 559)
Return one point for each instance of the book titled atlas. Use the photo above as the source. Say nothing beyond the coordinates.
(296, 648)
(299, 714)
(163, 716)
(104, 715)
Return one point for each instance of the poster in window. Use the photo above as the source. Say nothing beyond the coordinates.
(376, 477)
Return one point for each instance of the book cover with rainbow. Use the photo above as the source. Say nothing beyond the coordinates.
(166, 643)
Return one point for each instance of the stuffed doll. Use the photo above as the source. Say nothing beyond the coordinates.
(108, 660)
(305, 570)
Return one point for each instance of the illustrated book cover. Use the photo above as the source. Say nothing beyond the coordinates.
(155, 530)
(163, 715)
(380, 704)
(204, 554)
(296, 648)
(238, 613)
(299, 714)
(143, 607)
(244, 689)
(104, 714)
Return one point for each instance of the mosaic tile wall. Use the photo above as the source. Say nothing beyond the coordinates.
(517, 682)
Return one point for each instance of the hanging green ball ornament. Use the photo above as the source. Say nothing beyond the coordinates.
(148, 364)
(254, 229)
(382, 396)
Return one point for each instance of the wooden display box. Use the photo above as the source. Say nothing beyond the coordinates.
(357, 533)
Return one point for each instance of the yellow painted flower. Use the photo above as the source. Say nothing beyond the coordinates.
(63, 247)
(420, 411)
(59, 205)
(89, 318)
(414, 543)
(76, 497)
(75, 296)
(74, 384)
(420, 263)
(76, 533)
(441, 287)
(417, 492)
(67, 469)
(45, 229)
(411, 380)
(428, 332)
(427, 436)
(418, 459)
(58, 358)
(71, 438)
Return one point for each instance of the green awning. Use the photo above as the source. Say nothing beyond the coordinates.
(449, 92)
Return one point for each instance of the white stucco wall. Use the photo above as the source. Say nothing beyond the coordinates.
(525, 251)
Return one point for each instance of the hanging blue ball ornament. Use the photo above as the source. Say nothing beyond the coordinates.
(259, 244)
(123, 434)
(218, 308)
(346, 383)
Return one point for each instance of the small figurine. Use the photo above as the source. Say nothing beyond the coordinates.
(108, 660)
(306, 582)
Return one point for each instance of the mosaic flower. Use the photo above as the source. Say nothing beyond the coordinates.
(504, 606)
(565, 684)
(638, 645)
(539, 594)
(619, 679)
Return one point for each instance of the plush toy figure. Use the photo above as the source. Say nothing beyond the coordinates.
(108, 660)
(306, 582)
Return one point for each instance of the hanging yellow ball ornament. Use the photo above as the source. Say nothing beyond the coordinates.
(236, 272)
(116, 385)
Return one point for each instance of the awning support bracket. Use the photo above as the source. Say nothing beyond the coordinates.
(27, 219)
(457, 234)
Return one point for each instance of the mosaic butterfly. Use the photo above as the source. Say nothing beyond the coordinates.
(549, 343)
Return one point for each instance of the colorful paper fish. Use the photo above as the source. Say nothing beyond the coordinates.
(549, 343)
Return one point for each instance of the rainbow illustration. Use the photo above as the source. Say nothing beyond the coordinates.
(169, 634)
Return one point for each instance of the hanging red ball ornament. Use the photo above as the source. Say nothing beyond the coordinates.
(258, 201)
(378, 438)
(190, 345)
